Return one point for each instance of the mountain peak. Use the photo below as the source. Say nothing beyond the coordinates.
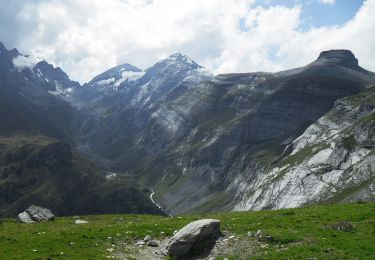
(178, 58)
(341, 57)
(2, 47)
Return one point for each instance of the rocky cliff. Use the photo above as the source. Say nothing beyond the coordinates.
(332, 161)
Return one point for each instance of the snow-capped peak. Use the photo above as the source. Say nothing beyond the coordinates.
(176, 63)
(178, 59)
(114, 77)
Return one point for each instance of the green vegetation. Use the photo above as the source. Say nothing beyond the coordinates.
(349, 142)
(311, 232)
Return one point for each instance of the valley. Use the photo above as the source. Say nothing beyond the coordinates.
(202, 142)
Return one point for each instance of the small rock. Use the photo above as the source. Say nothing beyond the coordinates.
(141, 243)
(147, 238)
(250, 234)
(35, 214)
(231, 237)
(258, 233)
(79, 221)
(344, 226)
(152, 243)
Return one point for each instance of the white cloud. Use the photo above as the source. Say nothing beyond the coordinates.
(331, 2)
(87, 37)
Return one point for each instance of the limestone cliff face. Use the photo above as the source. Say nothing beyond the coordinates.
(332, 161)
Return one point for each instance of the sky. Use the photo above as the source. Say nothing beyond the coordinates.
(87, 37)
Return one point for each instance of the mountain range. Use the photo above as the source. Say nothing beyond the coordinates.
(201, 142)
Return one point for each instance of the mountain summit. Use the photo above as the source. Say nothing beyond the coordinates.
(342, 57)
(178, 59)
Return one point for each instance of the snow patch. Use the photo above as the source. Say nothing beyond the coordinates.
(129, 76)
(22, 62)
(105, 81)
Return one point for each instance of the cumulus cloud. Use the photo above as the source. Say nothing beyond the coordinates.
(87, 37)
(331, 2)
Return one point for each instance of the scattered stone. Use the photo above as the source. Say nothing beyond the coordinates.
(258, 233)
(152, 243)
(141, 243)
(35, 214)
(231, 237)
(344, 226)
(147, 238)
(79, 221)
(192, 236)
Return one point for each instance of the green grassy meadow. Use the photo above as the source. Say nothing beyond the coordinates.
(304, 233)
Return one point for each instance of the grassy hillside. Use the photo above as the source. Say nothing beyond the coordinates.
(311, 232)
(43, 171)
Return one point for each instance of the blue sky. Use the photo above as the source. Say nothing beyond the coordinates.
(87, 37)
(316, 13)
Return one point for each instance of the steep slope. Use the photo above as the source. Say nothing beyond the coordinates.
(28, 89)
(118, 120)
(37, 166)
(43, 171)
(194, 138)
(332, 161)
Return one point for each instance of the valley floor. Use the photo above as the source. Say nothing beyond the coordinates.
(316, 232)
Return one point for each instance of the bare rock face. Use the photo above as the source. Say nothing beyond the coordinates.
(192, 236)
(35, 214)
(343, 57)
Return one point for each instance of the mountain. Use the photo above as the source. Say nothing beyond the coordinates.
(38, 127)
(116, 120)
(31, 94)
(201, 142)
(179, 129)
(333, 161)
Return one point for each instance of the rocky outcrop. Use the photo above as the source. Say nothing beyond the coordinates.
(193, 236)
(343, 57)
(332, 161)
(35, 214)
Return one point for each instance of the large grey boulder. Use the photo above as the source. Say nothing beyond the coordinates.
(192, 235)
(24, 217)
(35, 214)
